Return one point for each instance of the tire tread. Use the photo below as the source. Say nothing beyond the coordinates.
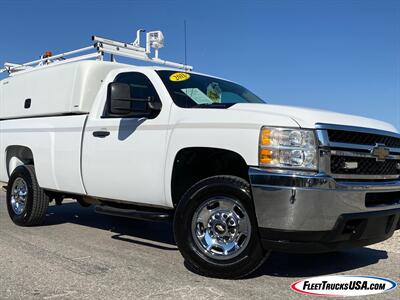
(40, 200)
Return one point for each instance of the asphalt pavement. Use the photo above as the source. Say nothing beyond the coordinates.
(78, 254)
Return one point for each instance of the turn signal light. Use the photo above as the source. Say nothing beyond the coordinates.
(265, 156)
(265, 136)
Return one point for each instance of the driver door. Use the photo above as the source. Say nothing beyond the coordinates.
(123, 156)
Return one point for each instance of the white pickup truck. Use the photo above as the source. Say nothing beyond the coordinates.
(238, 177)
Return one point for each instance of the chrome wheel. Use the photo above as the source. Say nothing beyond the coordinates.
(221, 228)
(19, 195)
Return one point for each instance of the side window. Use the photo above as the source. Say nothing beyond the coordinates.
(141, 88)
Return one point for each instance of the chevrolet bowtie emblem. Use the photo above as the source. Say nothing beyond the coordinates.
(380, 151)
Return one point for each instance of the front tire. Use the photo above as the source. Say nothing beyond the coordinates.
(215, 228)
(27, 203)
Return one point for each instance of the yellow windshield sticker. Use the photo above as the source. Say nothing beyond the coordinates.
(180, 76)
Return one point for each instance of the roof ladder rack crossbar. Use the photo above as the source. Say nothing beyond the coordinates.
(154, 39)
(135, 52)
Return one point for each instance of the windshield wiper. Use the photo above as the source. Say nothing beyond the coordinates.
(213, 105)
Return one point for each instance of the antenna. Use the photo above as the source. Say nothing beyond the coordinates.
(184, 32)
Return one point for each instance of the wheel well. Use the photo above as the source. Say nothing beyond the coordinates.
(197, 163)
(16, 156)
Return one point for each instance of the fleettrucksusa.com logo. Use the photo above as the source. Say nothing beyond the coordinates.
(343, 285)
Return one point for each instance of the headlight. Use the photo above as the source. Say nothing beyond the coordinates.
(288, 148)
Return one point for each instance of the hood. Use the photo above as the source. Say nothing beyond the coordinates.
(307, 118)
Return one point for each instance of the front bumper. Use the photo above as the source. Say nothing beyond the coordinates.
(316, 213)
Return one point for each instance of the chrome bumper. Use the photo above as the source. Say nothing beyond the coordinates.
(290, 202)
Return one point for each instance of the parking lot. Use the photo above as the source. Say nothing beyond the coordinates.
(78, 254)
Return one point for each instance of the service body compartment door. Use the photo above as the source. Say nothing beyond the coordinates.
(124, 157)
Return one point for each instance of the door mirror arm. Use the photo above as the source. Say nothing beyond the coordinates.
(154, 105)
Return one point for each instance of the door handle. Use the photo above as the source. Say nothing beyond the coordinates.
(101, 134)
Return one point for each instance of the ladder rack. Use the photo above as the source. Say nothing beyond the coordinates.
(154, 39)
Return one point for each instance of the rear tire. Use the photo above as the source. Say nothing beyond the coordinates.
(215, 228)
(27, 202)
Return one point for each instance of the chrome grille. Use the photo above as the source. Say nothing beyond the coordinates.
(362, 138)
(366, 166)
(358, 153)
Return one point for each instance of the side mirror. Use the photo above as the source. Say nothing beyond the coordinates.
(120, 102)
(119, 91)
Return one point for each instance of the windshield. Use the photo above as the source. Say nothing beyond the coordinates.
(192, 90)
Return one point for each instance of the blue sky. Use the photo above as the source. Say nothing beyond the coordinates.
(337, 55)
